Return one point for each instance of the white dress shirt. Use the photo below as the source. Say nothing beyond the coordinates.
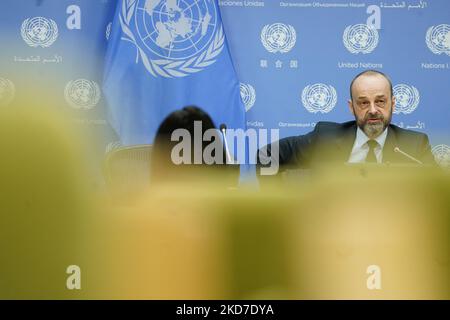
(361, 148)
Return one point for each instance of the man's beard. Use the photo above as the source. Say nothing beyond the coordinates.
(373, 130)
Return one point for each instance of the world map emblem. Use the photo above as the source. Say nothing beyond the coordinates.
(441, 154)
(248, 95)
(278, 37)
(407, 98)
(39, 32)
(319, 97)
(173, 38)
(82, 93)
(7, 91)
(360, 38)
(438, 39)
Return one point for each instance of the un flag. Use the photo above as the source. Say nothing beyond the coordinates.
(164, 55)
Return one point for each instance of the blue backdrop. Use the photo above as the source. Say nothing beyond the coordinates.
(294, 59)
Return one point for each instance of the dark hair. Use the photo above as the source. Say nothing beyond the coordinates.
(184, 118)
(162, 165)
(371, 73)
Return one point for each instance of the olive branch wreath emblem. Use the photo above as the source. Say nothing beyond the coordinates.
(164, 67)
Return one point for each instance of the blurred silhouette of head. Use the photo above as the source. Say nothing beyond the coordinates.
(45, 199)
(194, 123)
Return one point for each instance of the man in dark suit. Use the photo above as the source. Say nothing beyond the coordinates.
(370, 138)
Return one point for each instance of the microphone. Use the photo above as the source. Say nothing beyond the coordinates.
(223, 129)
(410, 157)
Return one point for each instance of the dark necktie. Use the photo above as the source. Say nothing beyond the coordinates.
(371, 158)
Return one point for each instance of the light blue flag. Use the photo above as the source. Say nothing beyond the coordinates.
(164, 55)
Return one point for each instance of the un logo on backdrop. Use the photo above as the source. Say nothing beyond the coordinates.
(438, 39)
(441, 154)
(319, 97)
(407, 98)
(360, 38)
(248, 95)
(39, 32)
(7, 91)
(174, 38)
(278, 37)
(82, 93)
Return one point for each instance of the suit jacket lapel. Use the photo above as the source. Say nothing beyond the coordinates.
(389, 145)
(345, 142)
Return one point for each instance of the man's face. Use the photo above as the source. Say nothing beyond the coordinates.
(372, 104)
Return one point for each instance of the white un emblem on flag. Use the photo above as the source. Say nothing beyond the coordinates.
(319, 97)
(278, 37)
(438, 39)
(360, 38)
(39, 32)
(407, 98)
(173, 38)
(108, 31)
(248, 95)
